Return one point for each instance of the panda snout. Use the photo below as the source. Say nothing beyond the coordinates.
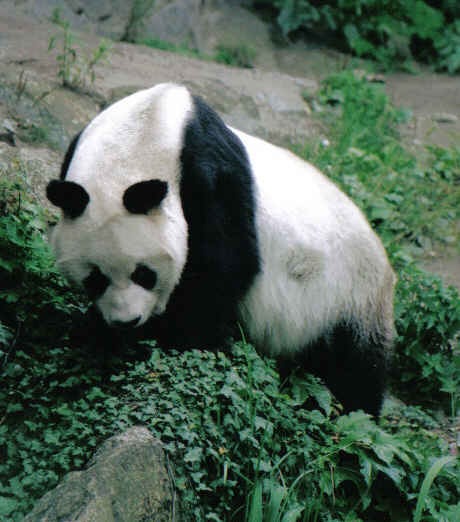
(125, 325)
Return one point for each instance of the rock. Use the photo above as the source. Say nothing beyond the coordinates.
(127, 480)
(247, 35)
(33, 122)
(170, 21)
(204, 26)
(104, 17)
(8, 133)
(444, 117)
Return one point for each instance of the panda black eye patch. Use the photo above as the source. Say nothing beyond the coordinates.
(144, 276)
(142, 197)
(96, 283)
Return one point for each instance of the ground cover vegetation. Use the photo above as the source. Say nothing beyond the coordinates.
(391, 32)
(76, 69)
(237, 55)
(244, 448)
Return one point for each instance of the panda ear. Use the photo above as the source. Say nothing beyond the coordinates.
(144, 196)
(69, 196)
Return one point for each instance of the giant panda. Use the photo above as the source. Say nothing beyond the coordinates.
(179, 224)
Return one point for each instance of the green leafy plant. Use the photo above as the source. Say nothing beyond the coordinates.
(27, 272)
(388, 32)
(448, 47)
(75, 69)
(139, 11)
(428, 351)
(31, 133)
(435, 469)
(409, 203)
(162, 45)
(238, 55)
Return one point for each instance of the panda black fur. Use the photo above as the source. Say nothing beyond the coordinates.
(173, 220)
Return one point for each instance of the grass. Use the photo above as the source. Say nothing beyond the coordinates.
(240, 55)
(408, 202)
(432, 473)
(242, 448)
(162, 45)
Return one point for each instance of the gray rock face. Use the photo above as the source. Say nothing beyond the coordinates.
(171, 21)
(105, 17)
(126, 481)
(197, 24)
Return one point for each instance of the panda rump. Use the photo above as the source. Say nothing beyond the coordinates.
(234, 229)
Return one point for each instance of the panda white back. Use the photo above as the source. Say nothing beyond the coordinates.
(182, 226)
(324, 263)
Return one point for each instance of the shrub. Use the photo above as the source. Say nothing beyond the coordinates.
(427, 358)
(238, 55)
(75, 69)
(389, 32)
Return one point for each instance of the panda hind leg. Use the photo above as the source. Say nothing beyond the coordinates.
(353, 368)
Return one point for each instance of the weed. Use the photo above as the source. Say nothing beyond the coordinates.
(428, 324)
(240, 55)
(139, 10)
(21, 85)
(75, 70)
(162, 45)
(31, 133)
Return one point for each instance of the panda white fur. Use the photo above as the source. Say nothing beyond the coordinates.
(176, 222)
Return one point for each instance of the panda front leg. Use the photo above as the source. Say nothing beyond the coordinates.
(353, 368)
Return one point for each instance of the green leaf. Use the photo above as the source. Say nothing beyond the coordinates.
(293, 515)
(432, 473)
(277, 495)
(7, 506)
(255, 509)
(65, 411)
(359, 44)
(193, 455)
(427, 20)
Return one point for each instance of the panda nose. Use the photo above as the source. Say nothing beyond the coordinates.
(126, 324)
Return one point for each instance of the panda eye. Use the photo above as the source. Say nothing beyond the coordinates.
(96, 283)
(144, 276)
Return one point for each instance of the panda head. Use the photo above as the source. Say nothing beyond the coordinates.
(122, 235)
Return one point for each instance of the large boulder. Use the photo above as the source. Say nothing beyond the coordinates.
(127, 480)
